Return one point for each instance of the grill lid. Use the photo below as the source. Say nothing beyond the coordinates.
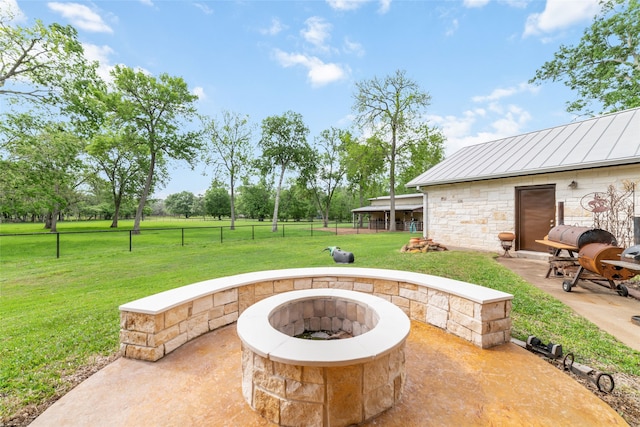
(580, 236)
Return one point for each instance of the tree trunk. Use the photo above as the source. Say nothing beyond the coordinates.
(274, 223)
(361, 196)
(233, 206)
(47, 221)
(117, 200)
(392, 182)
(325, 218)
(145, 193)
(54, 219)
(324, 210)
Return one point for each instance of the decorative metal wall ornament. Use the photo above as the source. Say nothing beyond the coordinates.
(595, 202)
(613, 211)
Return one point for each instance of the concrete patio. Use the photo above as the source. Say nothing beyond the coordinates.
(450, 382)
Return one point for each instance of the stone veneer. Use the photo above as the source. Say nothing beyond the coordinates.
(471, 214)
(154, 326)
(293, 381)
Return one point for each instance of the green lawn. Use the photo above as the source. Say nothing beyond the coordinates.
(57, 315)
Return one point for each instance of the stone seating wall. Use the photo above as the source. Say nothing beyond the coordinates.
(154, 326)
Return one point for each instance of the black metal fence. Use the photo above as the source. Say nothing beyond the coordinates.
(44, 244)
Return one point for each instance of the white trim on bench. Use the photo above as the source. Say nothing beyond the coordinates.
(163, 301)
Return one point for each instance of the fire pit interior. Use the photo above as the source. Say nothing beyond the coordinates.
(324, 318)
(334, 382)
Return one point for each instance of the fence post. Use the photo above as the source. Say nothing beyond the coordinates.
(282, 230)
(311, 229)
(182, 236)
(336, 227)
(220, 234)
(57, 244)
(253, 232)
(130, 239)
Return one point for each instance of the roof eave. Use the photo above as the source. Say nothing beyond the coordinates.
(564, 168)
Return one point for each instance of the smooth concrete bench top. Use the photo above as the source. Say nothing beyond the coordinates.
(163, 301)
(256, 332)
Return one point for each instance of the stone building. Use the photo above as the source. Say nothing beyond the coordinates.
(529, 183)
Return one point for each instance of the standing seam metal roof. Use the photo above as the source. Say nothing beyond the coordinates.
(608, 140)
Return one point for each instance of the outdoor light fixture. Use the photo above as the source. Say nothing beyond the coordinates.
(573, 185)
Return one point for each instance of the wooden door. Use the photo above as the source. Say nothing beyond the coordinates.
(535, 216)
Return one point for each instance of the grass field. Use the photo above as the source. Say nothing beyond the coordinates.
(58, 315)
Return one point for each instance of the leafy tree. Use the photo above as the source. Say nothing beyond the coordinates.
(364, 163)
(217, 201)
(156, 110)
(198, 207)
(604, 67)
(157, 207)
(230, 149)
(255, 200)
(295, 203)
(343, 201)
(118, 155)
(389, 109)
(284, 148)
(329, 172)
(180, 203)
(427, 152)
(97, 200)
(43, 165)
(40, 62)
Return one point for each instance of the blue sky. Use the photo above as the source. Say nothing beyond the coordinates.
(262, 58)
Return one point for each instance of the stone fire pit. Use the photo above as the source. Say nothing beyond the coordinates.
(294, 381)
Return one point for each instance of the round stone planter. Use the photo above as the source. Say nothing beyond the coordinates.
(292, 381)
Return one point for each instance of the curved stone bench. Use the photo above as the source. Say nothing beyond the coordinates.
(154, 326)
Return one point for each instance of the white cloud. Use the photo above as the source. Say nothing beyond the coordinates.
(560, 14)
(475, 3)
(101, 54)
(275, 28)
(452, 28)
(199, 92)
(317, 31)
(204, 8)
(10, 8)
(81, 16)
(146, 2)
(512, 122)
(353, 47)
(319, 73)
(489, 121)
(346, 4)
(493, 125)
(500, 93)
(516, 3)
(384, 5)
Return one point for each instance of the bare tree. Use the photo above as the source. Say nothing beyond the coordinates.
(390, 109)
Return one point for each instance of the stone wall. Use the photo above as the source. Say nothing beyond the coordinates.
(322, 396)
(471, 214)
(150, 336)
